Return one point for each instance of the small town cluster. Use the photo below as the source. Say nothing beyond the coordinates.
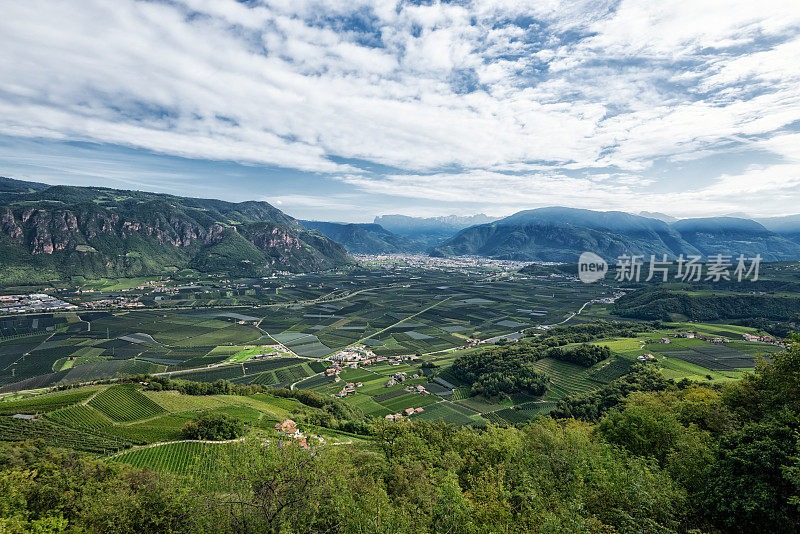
(35, 302)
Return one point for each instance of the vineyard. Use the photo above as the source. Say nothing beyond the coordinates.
(179, 458)
(53, 435)
(565, 379)
(123, 404)
(47, 402)
(80, 416)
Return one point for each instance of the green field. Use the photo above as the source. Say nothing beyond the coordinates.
(177, 458)
(124, 404)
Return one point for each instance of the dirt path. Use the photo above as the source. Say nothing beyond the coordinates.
(96, 393)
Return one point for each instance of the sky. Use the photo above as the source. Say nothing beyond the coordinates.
(342, 111)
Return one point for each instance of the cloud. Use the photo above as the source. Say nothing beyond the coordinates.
(550, 101)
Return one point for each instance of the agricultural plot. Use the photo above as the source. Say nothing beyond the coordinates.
(713, 357)
(178, 458)
(81, 416)
(447, 412)
(409, 400)
(611, 369)
(163, 428)
(174, 402)
(47, 402)
(223, 372)
(124, 404)
(565, 379)
(58, 436)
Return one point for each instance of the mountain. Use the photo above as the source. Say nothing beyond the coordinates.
(365, 238)
(788, 226)
(432, 230)
(562, 234)
(10, 188)
(62, 231)
(734, 236)
(658, 215)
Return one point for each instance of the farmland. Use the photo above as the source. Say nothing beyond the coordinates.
(280, 332)
(394, 310)
(178, 458)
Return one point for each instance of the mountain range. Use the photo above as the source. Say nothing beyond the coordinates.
(51, 232)
(430, 231)
(561, 234)
(55, 232)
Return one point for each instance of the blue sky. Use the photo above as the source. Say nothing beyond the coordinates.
(346, 110)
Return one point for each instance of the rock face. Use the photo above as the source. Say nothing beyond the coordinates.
(67, 231)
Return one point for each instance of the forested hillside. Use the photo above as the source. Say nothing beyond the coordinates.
(61, 231)
(660, 304)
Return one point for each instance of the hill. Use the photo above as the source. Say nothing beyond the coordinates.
(365, 238)
(62, 231)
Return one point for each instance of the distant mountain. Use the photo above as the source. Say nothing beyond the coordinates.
(365, 238)
(734, 236)
(658, 215)
(788, 226)
(562, 234)
(63, 231)
(432, 230)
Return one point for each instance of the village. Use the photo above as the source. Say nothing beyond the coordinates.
(34, 302)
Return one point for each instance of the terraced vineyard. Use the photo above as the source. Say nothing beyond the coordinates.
(124, 404)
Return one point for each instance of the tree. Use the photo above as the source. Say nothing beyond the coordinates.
(213, 426)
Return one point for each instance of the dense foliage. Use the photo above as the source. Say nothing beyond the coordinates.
(213, 426)
(662, 457)
(659, 304)
(585, 355)
(505, 369)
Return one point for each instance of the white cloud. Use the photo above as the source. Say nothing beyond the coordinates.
(452, 86)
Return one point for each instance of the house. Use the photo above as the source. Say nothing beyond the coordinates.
(287, 427)
(688, 335)
(646, 357)
(409, 411)
(418, 410)
(664, 340)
